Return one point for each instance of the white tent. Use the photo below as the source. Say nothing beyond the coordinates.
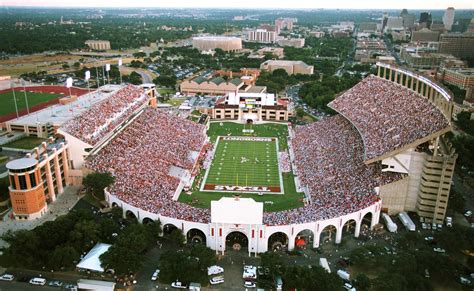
(91, 261)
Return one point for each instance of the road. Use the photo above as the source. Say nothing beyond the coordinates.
(15, 286)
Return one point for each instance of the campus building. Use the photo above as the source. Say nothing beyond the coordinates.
(38, 179)
(291, 67)
(260, 35)
(222, 82)
(293, 42)
(225, 43)
(250, 106)
(98, 45)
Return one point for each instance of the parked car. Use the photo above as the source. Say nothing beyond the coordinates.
(429, 238)
(178, 285)
(38, 281)
(449, 221)
(155, 275)
(214, 270)
(427, 273)
(217, 280)
(55, 283)
(250, 284)
(7, 277)
(468, 213)
(439, 250)
(464, 280)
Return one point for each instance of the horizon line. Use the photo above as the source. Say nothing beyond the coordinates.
(230, 8)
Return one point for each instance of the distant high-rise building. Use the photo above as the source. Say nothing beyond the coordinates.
(425, 19)
(448, 18)
(285, 23)
(384, 20)
(458, 44)
(260, 35)
(394, 23)
(470, 28)
(425, 35)
(408, 19)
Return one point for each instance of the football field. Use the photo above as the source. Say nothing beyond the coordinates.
(244, 164)
(7, 103)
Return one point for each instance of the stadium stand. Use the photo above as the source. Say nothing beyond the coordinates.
(141, 156)
(95, 123)
(388, 116)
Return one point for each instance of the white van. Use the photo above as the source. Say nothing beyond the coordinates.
(38, 281)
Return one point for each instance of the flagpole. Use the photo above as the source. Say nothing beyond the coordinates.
(14, 99)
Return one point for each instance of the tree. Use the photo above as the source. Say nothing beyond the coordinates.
(465, 123)
(139, 55)
(97, 182)
(63, 257)
(272, 261)
(76, 65)
(165, 80)
(65, 66)
(24, 246)
(177, 237)
(134, 78)
(362, 282)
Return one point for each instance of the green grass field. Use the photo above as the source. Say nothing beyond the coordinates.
(277, 202)
(26, 143)
(7, 105)
(245, 163)
(277, 130)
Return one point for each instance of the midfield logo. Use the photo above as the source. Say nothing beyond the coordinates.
(241, 188)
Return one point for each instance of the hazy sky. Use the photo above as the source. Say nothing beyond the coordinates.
(358, 4)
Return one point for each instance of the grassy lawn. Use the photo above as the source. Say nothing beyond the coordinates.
(165, 91)
(3, 159)
(290, 199)
(263, 130)
(7, 105)
(175, 101)
(26, 143)
(245, 163)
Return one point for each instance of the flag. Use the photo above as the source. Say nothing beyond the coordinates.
(87, 75)
(69, 82)
(107, 67)
(120, 62)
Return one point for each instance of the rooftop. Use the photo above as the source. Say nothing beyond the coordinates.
(20, 164)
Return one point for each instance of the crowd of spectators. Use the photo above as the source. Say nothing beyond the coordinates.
(284, 162)
(140, 158)
(329, 162)
(388, 115)
(96, 122)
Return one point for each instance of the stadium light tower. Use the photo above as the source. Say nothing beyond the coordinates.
(26, 98)
(14, 98)
(120, 73)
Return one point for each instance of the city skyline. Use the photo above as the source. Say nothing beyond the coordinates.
(297, 4)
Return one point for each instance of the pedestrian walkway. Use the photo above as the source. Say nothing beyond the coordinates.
(61, 206)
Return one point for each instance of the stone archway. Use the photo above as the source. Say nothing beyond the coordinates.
(278, 241)
(236, 240)
(169, 228)
(328, 234)
(304, 239)
(196, 236)
(147, 220)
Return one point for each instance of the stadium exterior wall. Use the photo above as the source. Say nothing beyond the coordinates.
(257, 235)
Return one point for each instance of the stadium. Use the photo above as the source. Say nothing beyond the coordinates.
(258, 186)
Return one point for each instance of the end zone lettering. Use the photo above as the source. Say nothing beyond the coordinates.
(241, 188)
(242, 138)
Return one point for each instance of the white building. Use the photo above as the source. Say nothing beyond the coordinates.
(448, 18)
(260, 35)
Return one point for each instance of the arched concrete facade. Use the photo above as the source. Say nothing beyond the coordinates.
(257, 234)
